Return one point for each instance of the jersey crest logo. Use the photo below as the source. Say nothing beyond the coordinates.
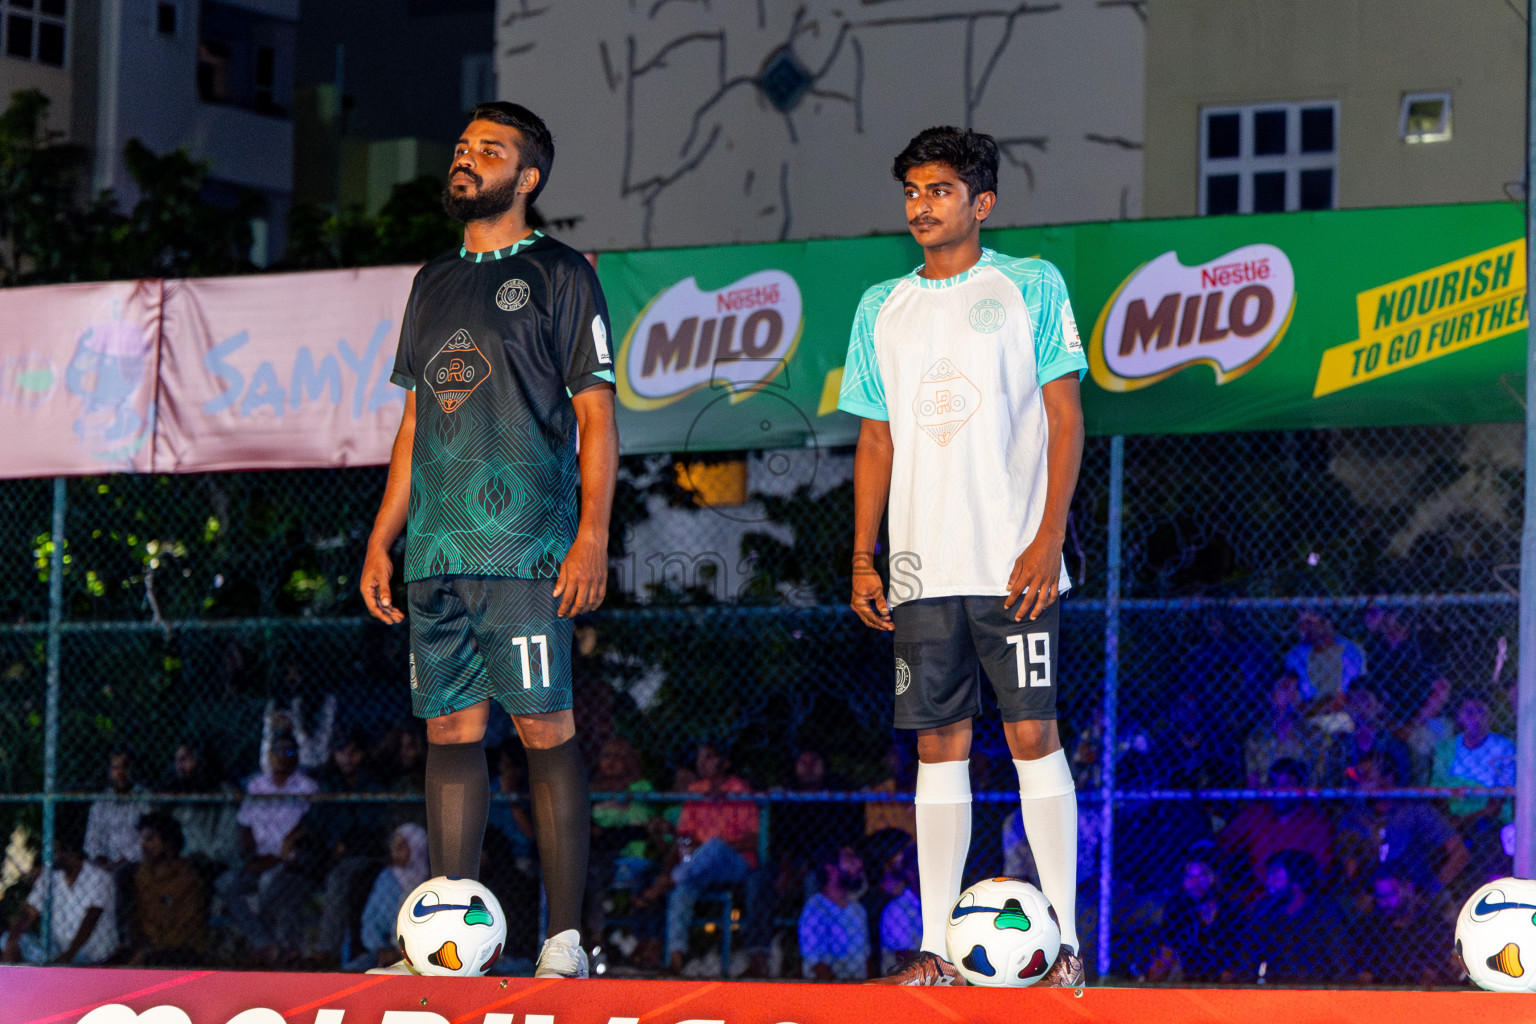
(946, 400)
(456, 370)
(512, 295)
(988, 316)
(903, 676)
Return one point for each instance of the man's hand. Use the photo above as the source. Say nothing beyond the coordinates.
(378, 567)
(583, 581)
(869, 595)
(1035, 575)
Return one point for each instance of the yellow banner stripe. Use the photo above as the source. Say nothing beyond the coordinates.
(1419, 341)
(1463, 284)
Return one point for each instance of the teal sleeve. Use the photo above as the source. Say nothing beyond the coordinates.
(863, 392)
(1058, 349)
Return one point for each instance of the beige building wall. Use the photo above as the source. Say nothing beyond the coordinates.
(701, 124)
(1365, 54)
(18, 75)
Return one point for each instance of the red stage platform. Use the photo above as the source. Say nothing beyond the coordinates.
(32, 995)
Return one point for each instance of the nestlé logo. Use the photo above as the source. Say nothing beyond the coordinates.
(740, 336)
(1229, 314)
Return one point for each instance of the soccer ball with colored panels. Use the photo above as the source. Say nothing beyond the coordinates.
(1496, 936)
(1002, 932)
(451, 926)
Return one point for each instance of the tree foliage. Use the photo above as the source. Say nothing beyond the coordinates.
(410, 227)
(53, 230)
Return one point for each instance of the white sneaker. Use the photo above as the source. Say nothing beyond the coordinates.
(562, 957)
(402, 967)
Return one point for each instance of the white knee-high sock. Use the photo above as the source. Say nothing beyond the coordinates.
(943, 839)
(1048, 805)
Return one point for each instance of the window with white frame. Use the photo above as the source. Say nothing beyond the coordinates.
(1269, 158)
(1426, 117)
(34, 30)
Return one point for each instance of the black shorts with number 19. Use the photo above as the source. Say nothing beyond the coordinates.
(476, 638)
(944, 643)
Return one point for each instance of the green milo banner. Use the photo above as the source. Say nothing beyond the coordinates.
(1354, 318)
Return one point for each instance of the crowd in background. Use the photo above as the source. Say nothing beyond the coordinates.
(281, 870)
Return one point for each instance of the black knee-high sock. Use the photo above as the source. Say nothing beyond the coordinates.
(458, 803)
(562, 816)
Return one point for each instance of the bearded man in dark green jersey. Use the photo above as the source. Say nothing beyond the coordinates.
(504, 350)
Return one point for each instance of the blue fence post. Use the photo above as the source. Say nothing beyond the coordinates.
(1111, 701)
(51, 711)
(1525, 699)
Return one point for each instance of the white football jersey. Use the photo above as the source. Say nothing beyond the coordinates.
(956, 367)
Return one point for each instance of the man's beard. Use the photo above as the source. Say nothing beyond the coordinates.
(485, 204)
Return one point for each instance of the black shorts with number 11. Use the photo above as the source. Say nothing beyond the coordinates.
(944, 643)
(476, 638)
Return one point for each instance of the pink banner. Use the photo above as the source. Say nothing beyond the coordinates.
(77, 378)
(280, 371)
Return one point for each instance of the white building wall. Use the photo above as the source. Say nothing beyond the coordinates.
(148, 91)
(665, 136)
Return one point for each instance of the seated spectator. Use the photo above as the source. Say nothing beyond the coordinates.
(407, 869)
(83, 928)
(1198, 936)
(1224, 666)
(347, 774)
(112, 829)
(1145, 830)
(622, 827)
(900, 777)
(271, 841)
(623, 831)
(1394, 943)
(1293, 933)
(352, 834)
(400, 762)
(112, 826)
(314, 744)
(716, 846)
(1474, 757)
(1408, 838)
(1266, 827)
(1368, 734)
(167, 925)
(901, 917)
(210, 833)
(1287, 734)
(833, 929)
(347, 770)
(1133, 749)
(791, 822)
(1477, 757)
(1325, 663)
(1195, 750)
(1402, 670)
(1428, 728)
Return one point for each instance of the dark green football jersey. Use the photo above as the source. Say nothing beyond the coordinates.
(494, 345)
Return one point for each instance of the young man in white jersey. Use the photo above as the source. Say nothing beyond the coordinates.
(965, 373)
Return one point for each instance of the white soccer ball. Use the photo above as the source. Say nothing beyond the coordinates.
(1002, 932)
(1496, 936)
(451, 926)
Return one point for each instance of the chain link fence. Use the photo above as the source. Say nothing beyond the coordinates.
(1288, 667)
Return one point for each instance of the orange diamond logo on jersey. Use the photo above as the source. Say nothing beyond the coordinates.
(945, 401)
(456, 370)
